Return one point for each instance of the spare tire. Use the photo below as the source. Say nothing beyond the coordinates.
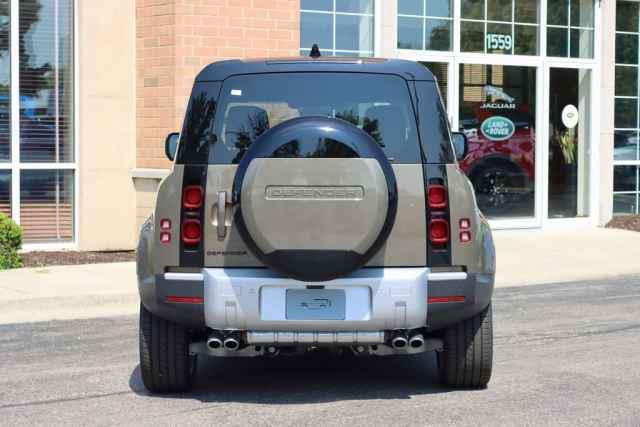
(315, 198)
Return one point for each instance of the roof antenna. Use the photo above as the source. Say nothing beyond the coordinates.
(315, 51)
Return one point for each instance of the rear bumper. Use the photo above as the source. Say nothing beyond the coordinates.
(457, 296)
(378, 299)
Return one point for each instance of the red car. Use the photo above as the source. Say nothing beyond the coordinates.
(501, 167)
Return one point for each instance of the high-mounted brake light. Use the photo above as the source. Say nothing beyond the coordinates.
(437, 196)
(439, 231)
(191, 232)
(192, 197)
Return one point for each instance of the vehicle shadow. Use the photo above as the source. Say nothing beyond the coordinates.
(307, 379)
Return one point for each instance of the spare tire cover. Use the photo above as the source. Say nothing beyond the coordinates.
(315, 198)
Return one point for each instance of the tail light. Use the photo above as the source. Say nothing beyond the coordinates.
(439, 231)
(191, 232)
(192, 197)
(437, 195)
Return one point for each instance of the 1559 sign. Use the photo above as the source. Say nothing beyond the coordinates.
(499, 42)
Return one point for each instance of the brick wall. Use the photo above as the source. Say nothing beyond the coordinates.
(177, 38)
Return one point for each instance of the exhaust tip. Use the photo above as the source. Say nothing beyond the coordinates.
(416, 341)
(214, 343)
(399, 342)
(231, 344)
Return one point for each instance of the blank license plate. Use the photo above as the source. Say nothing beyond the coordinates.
(315, 304)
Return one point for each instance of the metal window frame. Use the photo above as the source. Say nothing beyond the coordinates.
(636, 129)
(16, 165)
(334, 14)
(542, 64)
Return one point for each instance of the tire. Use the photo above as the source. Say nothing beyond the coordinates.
(165, 362)
(467, 357)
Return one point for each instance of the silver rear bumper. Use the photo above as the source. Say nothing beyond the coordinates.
(377, 299)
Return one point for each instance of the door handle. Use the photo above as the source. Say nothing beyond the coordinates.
(220, 215)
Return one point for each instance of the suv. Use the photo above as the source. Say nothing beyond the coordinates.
(315, 202)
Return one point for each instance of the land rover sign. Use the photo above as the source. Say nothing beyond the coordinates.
(497, 128)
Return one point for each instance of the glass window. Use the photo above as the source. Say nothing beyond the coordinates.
(5, 82)
(46, 81)
(505, 27)
(497, 113)
(626, 185)
(627, 16)
(625, 145)
(5, 192)
(425, 24)
(569, 143)
(46, 205)
(46, 110)
(339, 28)
(378, 104)
(570, 28)
(440, 71)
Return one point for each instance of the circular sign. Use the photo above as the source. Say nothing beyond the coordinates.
(498, 128)
(570, 116)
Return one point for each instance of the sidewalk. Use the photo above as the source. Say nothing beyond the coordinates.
(531, 257)
(525, 257)
(68, 292)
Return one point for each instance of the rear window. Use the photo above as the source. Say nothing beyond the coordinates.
(248, 105)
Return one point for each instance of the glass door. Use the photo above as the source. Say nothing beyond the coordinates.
(569, 145)
(497, 112)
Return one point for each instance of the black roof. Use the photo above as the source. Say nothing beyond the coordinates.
(408, 70)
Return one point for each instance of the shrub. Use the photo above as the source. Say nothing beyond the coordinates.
(10, 242)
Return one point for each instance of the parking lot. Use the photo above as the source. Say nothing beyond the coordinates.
(565, 354)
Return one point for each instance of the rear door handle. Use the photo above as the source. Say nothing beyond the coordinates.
(220, 218)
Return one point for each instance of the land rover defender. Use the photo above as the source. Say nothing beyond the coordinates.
(315, 203)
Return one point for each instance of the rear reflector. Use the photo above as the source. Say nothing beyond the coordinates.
(439, 231)
(184, 300)
(165, 237)
(192, 197)
(191, 232)
(439, 300)
(165, 224)
(465, 236)
(465, 224)
(437, 196)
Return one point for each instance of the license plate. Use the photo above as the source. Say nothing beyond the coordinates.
(315, 304)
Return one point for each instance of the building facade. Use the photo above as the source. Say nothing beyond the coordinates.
(547, 92)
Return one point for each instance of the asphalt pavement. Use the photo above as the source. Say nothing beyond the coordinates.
(565, 354)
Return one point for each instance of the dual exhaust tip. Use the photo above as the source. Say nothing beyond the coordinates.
(229, 343)
(232, 343)
(400, 342)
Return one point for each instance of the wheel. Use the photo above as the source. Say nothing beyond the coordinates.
(498, 188)
(165, 362)
(467, 357)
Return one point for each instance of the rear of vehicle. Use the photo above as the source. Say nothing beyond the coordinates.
(315, 204)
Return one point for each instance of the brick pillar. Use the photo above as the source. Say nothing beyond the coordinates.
(177, 38)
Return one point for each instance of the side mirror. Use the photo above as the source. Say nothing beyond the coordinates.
(171, 146)
(460, 145)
